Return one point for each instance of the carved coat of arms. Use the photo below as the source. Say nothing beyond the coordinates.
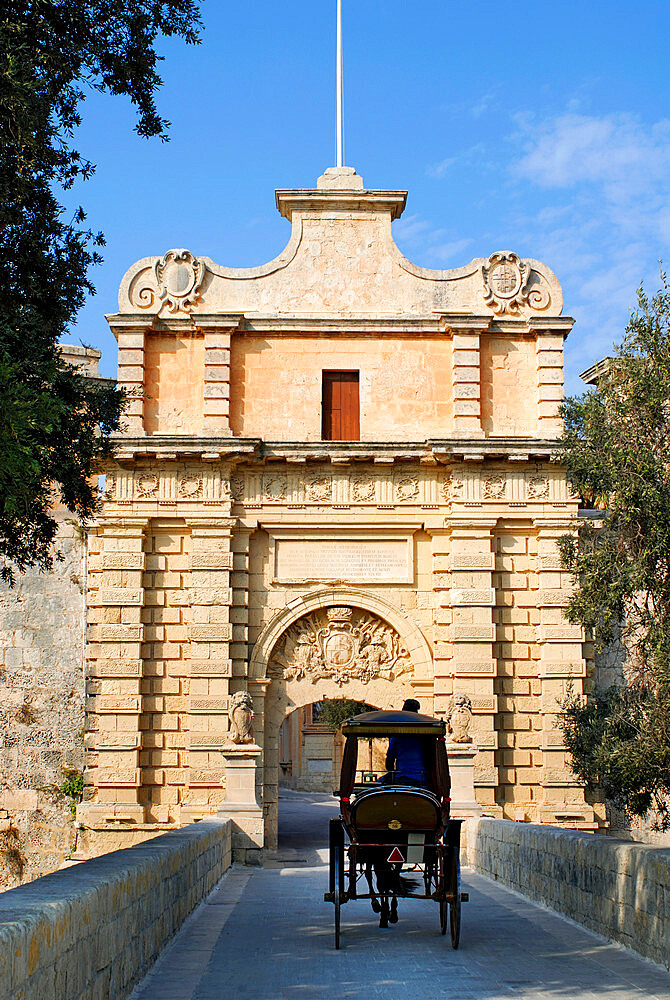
(340, 644)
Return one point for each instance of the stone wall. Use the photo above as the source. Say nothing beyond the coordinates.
(94, 930)
(275, 389)
(41, 709)
(616, 888)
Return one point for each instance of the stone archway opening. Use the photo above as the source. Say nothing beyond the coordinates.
(311, 744)
(329, 646)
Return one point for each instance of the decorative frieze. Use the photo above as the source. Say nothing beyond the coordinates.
(211, 483)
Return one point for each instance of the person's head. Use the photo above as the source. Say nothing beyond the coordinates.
(411, 705)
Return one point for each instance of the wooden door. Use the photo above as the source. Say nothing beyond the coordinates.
(340, 412)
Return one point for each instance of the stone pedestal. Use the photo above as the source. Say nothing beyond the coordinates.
(462, 770)
(241, 803)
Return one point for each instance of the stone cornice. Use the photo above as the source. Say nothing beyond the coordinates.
(358, 325)
(293, 200)
(431, 452)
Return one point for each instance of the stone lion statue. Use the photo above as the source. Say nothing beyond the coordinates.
(458, 719)
(241, 718)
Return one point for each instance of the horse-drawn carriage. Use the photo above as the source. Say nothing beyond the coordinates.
(393, 831)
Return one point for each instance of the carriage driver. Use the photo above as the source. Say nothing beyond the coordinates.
(404, 758)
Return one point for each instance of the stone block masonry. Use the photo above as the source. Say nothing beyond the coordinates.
(93, 930)
(614, 887)
(41, 709)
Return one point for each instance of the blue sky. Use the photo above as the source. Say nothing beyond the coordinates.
(538, 127)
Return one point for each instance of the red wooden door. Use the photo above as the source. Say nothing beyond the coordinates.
(340, 412)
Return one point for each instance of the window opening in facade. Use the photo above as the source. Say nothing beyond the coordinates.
(341, 408)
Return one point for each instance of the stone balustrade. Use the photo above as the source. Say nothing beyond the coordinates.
(93, 930)
(617, 888)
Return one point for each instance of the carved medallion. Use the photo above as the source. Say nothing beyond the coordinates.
(179, 276)
(146, 486)
(538, 488)
(320, 489)
(274, 488)
(406, 489)
(190, 486)
(362, 489)
(505, 282)
(494, 487)
(340, 644)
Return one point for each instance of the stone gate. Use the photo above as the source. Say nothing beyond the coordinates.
(335, 479)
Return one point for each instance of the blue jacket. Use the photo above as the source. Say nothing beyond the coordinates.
(406, 752)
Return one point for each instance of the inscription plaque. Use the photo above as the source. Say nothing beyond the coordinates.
(354, 560)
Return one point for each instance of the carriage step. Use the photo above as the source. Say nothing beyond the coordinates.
(465, 897)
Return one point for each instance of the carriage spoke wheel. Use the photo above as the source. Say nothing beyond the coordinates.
(443, 916)
(454, 868)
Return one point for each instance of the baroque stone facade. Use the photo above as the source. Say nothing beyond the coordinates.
(237, 551)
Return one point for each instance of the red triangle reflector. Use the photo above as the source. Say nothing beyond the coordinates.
(395, 856)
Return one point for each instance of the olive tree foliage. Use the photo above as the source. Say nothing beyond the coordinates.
(55, 426)
(334, 711)
(616, 448)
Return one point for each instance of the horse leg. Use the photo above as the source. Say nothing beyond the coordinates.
(384, 917)
(393, 914)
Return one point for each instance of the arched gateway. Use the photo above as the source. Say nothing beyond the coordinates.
(335, 477)
(336, 643)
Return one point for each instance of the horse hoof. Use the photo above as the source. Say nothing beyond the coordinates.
(376, 906)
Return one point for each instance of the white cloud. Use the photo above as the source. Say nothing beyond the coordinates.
(609, 219)
(615, 151)
(448, 252)
(438, 170)
(431, 246)
(413, 229)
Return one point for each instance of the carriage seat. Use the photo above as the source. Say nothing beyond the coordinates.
(383, 807)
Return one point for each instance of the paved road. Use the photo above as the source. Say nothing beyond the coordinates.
(267, 935)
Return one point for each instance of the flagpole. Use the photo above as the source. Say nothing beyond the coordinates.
(340, 89)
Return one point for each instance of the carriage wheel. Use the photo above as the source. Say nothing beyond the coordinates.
(443, 916)
(455, 890)
(337, 895)
(336, 873)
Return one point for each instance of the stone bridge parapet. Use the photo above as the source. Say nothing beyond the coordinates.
(93, 930)
(618, 888)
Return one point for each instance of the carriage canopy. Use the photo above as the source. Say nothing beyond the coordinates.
(369, 725)
(393, 724)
